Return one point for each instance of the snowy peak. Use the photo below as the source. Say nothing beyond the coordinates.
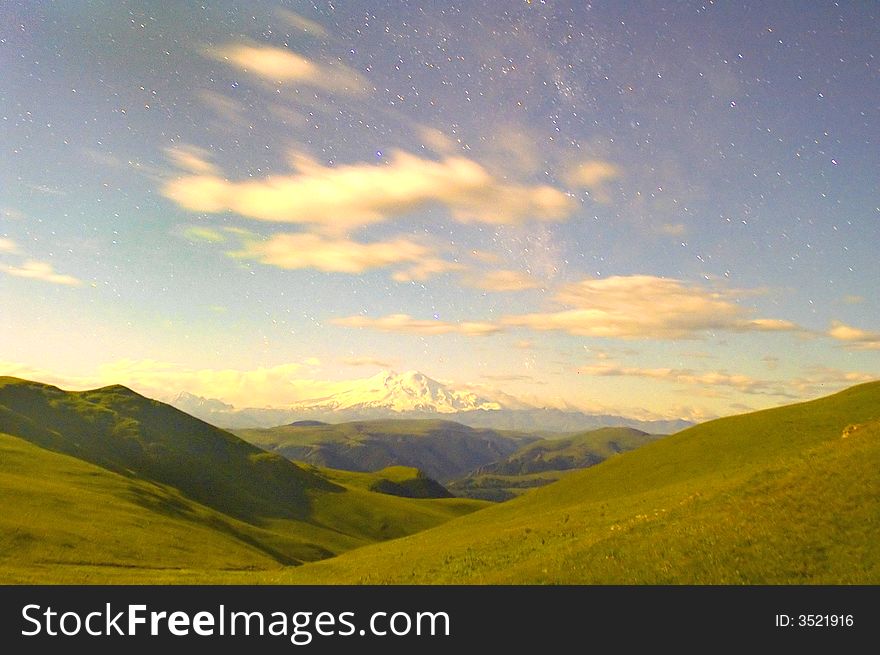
(410, 391)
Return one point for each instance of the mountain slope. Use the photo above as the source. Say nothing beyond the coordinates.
(96, 468)
(410, 391)
(444, 450)
(547, 460)
(788, 495)
(414, 395)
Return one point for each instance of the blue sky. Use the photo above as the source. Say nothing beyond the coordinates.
(663, 209)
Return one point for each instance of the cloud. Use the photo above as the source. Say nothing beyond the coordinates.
(592, 175)
(302, 23)
(502, 280)
(742, 383)
(853, 299)
(341, 198)
(372, 362)
(40, 271)
(854, 337)
(12, 213)
(205, 234)
(405, 324)
(191, 159)
(340, 255)
(280, 66)
(820, 380)
(673, 229)
(8, 246)
(644, 306)
(266, 386)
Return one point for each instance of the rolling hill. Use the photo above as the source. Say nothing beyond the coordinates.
(444, 450)
(107, 480)
(782, 496)
(545, 461)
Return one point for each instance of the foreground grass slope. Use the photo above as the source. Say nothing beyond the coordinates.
(101, 481)
(788, 495)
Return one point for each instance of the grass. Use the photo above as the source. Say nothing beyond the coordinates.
(772, 497)
(444, 450)
(107, 480)
(788, 495)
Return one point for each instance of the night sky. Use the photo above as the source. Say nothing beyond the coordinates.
(658, 209)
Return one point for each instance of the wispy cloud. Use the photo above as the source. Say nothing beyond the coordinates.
(593, 175)
(302, 23)
(406, 324)
(341, 255)
(710, 379)
(204, 234)
(644, 306)
(854, 337)
(8, 246)
(11, 213)
(37, 270)
(372, 362)
(282, 66)
(502, 280)
(342, 198)
(191, 159)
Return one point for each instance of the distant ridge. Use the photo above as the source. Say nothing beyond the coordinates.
(414, 395)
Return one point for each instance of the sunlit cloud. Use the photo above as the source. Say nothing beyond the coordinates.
(502, 280)
(593, 175)
(276, 386)
(371, 362)
(191, 159)
(854, 337)
(203, 234)
(43, 271)
(340, 255)
(741, 383)
(644, 306)
(406, 324)
(343, 198)
(302, 23)
(8, 246)
(280, 66)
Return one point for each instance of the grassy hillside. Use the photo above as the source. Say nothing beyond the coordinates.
(545, 461)
(788, 495)
(103, 480)
(444, 450)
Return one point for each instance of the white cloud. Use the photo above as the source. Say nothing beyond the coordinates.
(644, 306)
(8, 246)
(302, 23)
(40, 271)
(340, 255)
(502, 280)
(281, 66)
(854, 337)
(191, 159)
(342, 198)
(742, 383)
(406, 324)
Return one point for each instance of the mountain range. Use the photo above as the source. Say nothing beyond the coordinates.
(414, 395)
(107, 486)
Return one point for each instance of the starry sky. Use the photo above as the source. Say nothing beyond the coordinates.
(664, 209)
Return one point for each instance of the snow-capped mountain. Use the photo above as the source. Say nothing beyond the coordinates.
(410, 391)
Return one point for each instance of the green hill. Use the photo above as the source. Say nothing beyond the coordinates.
(781, 496)
(545, 461)
(444, 450)
(97, 483)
